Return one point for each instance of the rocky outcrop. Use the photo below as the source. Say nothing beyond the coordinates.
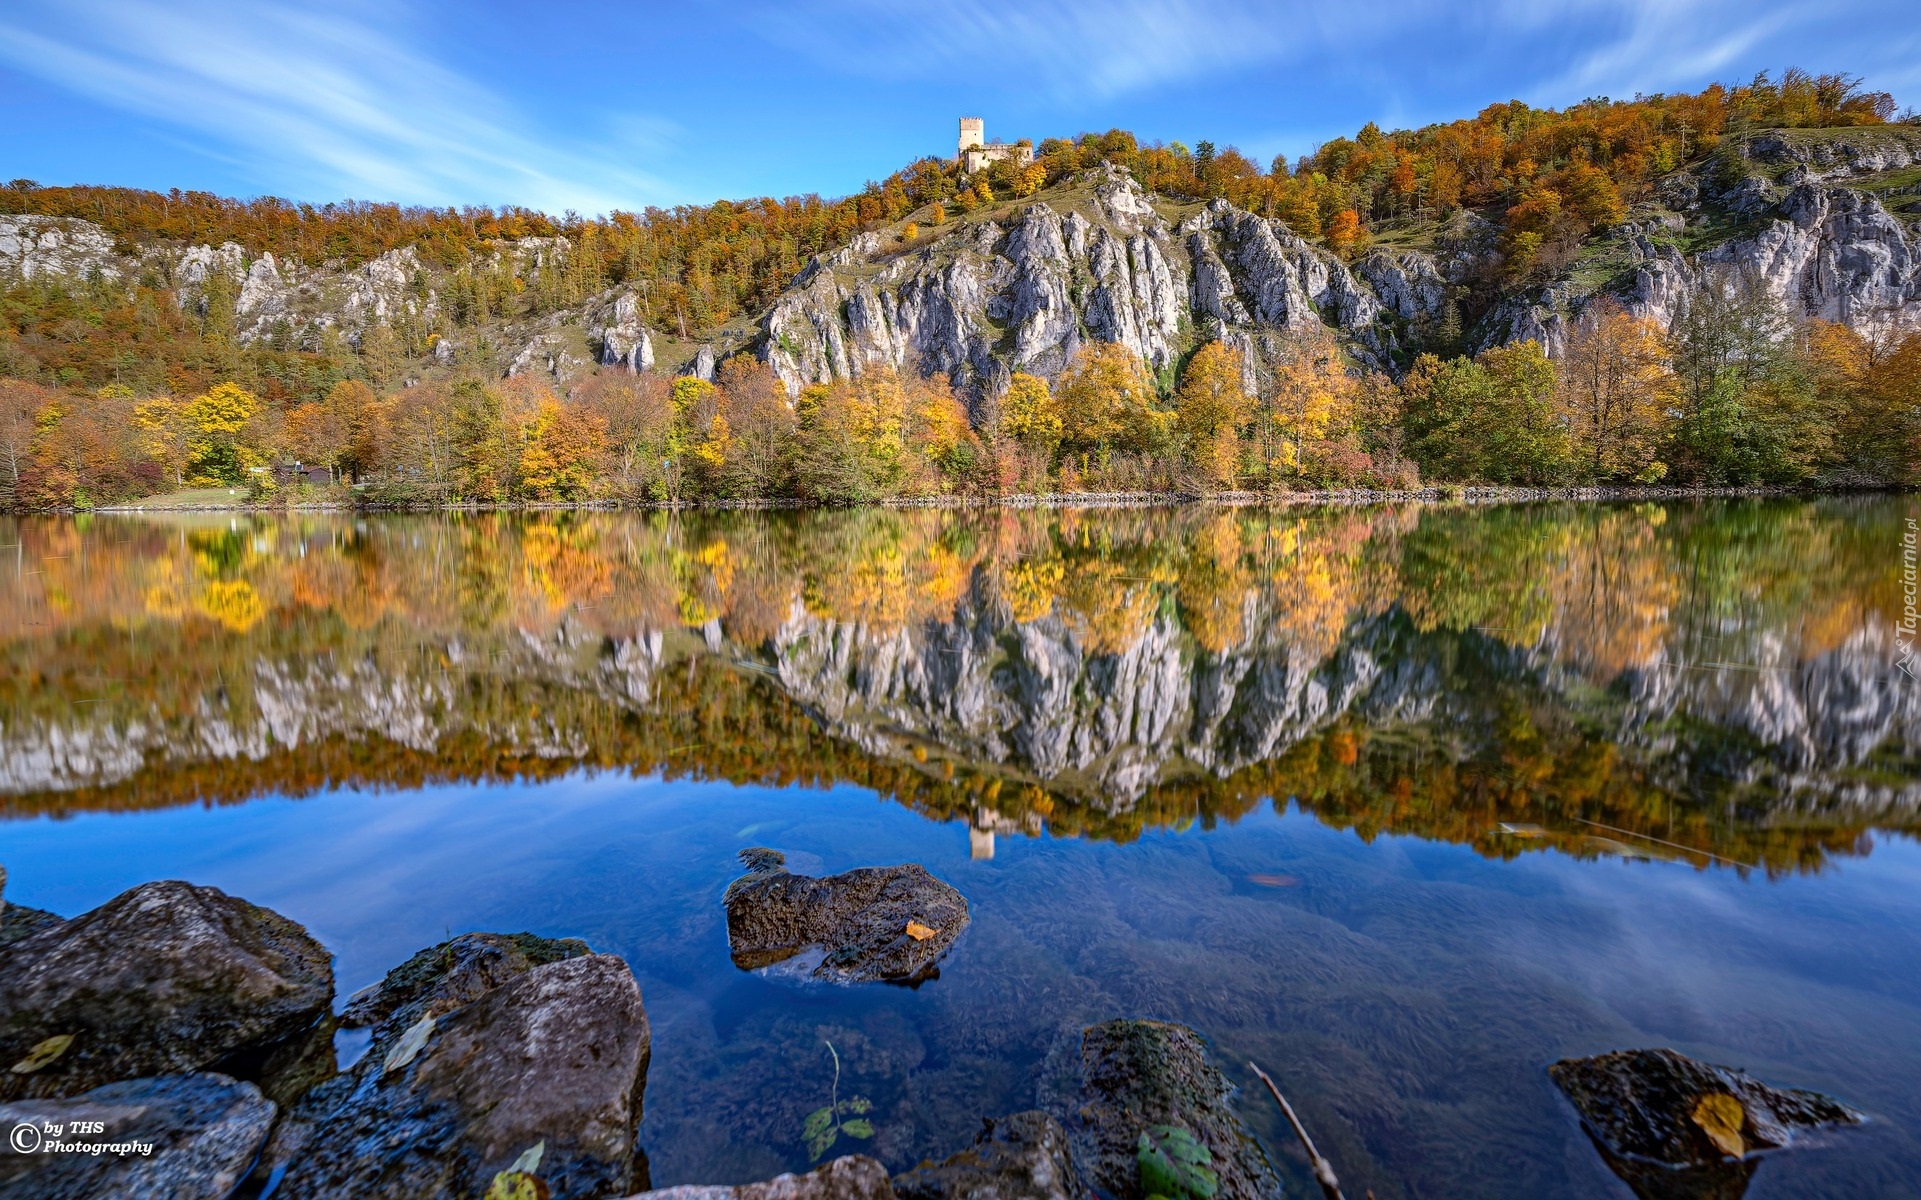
(1674, 1127)
(891, 924)
(57, 248)
(1025, 1156)
(985, 301)
(1136, 1075)
(166, 978)
(541, 1070)
(852, 1177)
(622, 339)
(176, 1137)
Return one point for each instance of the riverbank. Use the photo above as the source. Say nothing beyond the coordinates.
(1439, 494)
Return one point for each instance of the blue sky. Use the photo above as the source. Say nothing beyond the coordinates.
(609, 105)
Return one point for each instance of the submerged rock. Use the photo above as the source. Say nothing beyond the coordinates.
(165, 978)
(204, 1132)
(1674, 1127)
(1138, 1074)
(1021, 1157)
(852, 1177)
(873, 923)
(509, 1043)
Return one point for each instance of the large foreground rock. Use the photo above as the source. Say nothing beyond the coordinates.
(853, 1177)
(1677, 1129)
(490, 1046)
(873, 923)
(1022, 1157)
(203, 1131)
(1137, 1074)
(166, 978)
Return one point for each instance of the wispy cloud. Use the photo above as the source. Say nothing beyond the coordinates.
(1657, 45)
(324, 100)
(1082, 49)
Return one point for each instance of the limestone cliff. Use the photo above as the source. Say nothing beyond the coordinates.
(1826, 220)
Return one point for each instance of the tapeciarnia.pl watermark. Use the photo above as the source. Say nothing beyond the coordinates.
(1904, 629)
(51, 1137)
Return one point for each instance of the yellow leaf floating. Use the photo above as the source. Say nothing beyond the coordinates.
(918, 931)
(43, 1054)
(1721, 1116)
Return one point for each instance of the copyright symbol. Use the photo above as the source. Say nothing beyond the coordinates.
(26, 1138)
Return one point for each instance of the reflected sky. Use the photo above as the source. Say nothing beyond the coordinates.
(1409, 992)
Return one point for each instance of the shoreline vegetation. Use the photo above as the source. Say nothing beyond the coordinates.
(1321, 497)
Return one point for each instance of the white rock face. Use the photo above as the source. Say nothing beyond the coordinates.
(984, 302)
(39, 247)
(623, 340)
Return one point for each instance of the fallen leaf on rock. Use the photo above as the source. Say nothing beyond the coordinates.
(408, 1046)
(43, 1054)
(1274, 881)
(918, 931)
(1721, 1116)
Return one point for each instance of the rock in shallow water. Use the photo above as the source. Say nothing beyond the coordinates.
(1674, 1127)
(1137, 1074)
(891, 924)
(853, 1177)
(1021, 1157)
(204, 1130)
(166, 978)
(546, 1053)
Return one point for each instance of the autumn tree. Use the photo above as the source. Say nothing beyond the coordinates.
(1614, 389)
(1210, 409)
(218, 420)
(761, 424)
(638, 415)
(563, 446)
(20, 404)
(1107, 404)
(1304, 390)
(1489, 419)
(1030, 419)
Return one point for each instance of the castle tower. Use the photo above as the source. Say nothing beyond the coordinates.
(973, 132)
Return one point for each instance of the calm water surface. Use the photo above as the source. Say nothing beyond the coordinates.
(1402, 803)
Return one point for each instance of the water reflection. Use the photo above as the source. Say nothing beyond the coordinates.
(1712, 683)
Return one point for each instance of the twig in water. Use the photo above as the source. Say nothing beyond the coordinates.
(1323, 1171)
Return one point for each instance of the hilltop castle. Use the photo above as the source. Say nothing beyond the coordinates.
(975, 151)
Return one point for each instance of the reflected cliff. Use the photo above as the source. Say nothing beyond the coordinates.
(1712, 682)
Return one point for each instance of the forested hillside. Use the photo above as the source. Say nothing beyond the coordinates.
(1526, 296)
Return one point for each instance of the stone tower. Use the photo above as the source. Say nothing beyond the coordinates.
(973, 132)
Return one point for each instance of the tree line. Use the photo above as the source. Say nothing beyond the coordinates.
(1731, 394)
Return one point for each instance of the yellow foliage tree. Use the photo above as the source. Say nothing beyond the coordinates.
(1107, 403)
(557, 461)
(1306, 389)
(1029, 415)
(1210, 409)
